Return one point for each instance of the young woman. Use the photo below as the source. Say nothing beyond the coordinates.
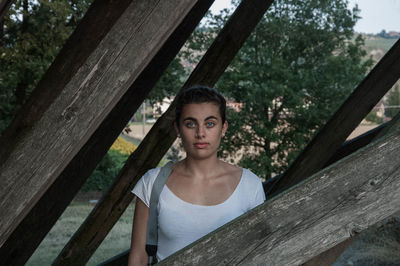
(202, 192)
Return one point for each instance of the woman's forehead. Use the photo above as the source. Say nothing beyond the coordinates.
(200, 110)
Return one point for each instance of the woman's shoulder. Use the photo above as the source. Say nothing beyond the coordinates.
(230, 169)
(144, 186)
(150, 175)
(250, 178)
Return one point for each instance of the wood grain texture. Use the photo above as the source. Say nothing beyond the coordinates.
(310, 217)
(346, 149)
(96, 23)
(345, 120)
(162, 135)
(40, 156)
(29, 233)
(356, 143)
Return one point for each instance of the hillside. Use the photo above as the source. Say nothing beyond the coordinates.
(376, 46)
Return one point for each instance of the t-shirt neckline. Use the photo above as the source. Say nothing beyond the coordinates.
(203, 206)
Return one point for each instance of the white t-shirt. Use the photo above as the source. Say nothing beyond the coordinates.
(181, 223)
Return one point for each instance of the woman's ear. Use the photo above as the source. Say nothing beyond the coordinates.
(224, 127)
(176, 129)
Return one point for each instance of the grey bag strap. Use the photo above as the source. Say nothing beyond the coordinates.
(152, 223)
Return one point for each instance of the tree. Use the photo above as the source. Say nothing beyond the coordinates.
(33, 34)
(295, 69)
(393, 102)
(170, 82)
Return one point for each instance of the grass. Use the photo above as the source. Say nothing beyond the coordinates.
(379, 43)
(117, 241)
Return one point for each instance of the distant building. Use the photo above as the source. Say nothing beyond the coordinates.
(393, 34)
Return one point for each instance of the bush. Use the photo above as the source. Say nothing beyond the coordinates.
(123, 146)
(109, 167)
(374, 118)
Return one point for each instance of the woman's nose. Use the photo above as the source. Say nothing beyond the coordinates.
(200, 132)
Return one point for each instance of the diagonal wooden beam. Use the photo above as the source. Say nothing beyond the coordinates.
(319, 151)
(43, 152)
(311, 217)
(345, 120)
(4, 6)
(390, 127)
(346, 149)
(356, 143)
(26, 237)
(331, 255)
(160, 138)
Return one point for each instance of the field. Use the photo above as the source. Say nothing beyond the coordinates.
(379, 43)
(376, 46)
(117, 241)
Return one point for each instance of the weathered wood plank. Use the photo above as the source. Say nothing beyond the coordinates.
(390, 127)
(330, 256)
(162, 135)
(311, 217)
(345, 120)
(319, 150)
(43, 152)
(356, 143)
(346, 149)
(30, 232)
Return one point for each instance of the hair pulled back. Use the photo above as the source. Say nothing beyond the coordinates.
(200, 94)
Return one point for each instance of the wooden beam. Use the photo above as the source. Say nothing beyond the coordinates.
(161, 136)
(83, 42)
(4, 6)
(346, 149)
(30, 232)
(345, 120)
(327, 141)
(391, 127)
(356, 143)
(311, 217)
(330, 256)
(44, 151)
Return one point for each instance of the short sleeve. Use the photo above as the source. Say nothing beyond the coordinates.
(259, 196)
(143, 187)
(255, 190)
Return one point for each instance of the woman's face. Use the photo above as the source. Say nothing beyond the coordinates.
(201, 128)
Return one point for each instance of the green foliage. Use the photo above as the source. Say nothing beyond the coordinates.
(105, 172)
(374, 118)
(34, 32)
(295, 69)
(393, 102)
(109, 167)
(169, 83)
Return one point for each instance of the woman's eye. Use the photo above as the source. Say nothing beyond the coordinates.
(190, 124)
(210, 124)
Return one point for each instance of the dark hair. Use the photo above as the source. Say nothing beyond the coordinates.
(200, 94)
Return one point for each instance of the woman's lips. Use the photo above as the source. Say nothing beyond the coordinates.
(201, 145)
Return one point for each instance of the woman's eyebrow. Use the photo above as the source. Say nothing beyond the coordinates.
(190, 118)
(211, 117)
(194, 119)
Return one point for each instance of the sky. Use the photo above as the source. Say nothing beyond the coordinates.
(376, 15)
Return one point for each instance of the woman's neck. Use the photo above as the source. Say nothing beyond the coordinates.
(203, 168)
